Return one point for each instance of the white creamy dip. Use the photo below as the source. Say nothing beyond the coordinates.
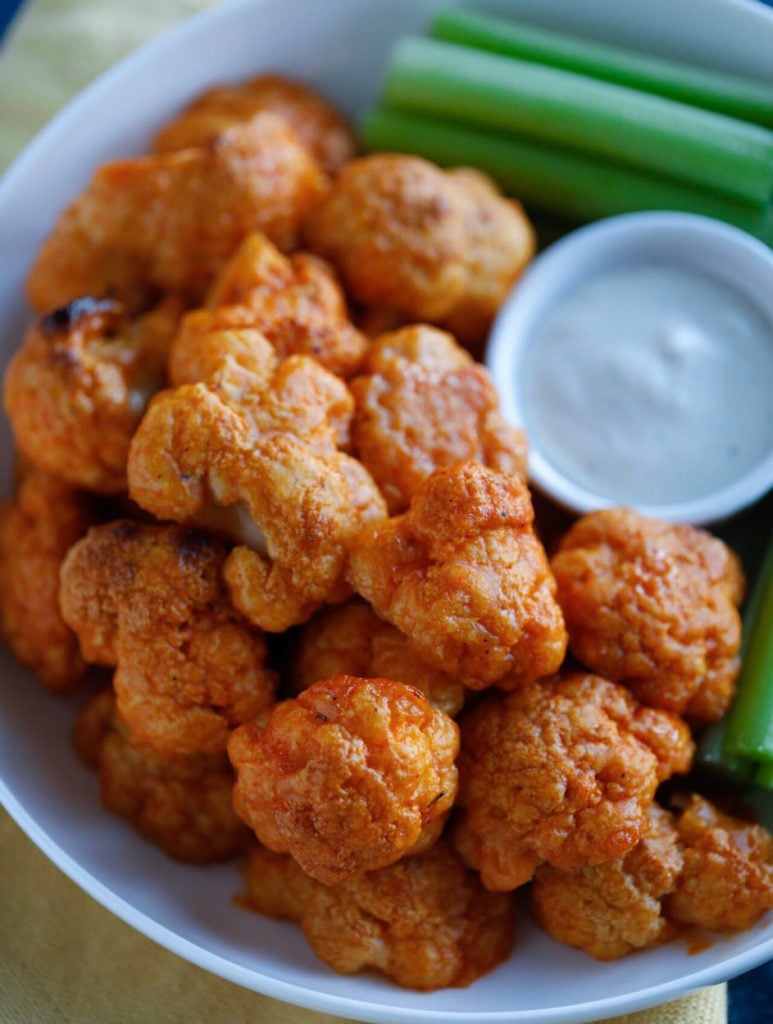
(651, 384)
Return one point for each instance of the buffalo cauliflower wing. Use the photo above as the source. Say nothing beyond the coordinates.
(614, 908)
(169, 222)
(430, 244)
(181, 803)
(426, 922)
(500, 243)
(422, 402)
(321, 129)
(77, 388)
(463, 576)
(149, 599)
(653, 606)
(561, 771)
(254, 447)
(394, 230)
(295, 302)
(348, 776)
(351, 639)
(727, 879)
(37, 528)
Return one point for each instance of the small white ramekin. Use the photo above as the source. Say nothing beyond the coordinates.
(677, 239)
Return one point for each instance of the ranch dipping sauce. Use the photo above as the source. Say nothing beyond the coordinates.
(651, 384)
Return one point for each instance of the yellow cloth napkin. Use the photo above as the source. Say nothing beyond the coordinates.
(55, 47)
(63, 958)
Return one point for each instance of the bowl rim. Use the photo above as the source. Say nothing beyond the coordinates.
(358, 1009)
(691, 241)
(355, 1007)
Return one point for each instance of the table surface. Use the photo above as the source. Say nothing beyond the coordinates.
(750, 994)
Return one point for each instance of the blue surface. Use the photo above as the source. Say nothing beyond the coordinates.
(7, 10)
(750, 995)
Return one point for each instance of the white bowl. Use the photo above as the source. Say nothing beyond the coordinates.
(635, 242)
(341, 45)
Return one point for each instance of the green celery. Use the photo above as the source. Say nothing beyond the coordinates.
(563, 108)
(714, 761)
(749, 730)
(734, 95)
(764, 775)
(567, 184)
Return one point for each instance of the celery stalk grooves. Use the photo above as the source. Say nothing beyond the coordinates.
(749, 727)
(715, 90)
(583, 114)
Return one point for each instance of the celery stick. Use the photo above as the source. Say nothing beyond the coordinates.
(713, 760)
(560, 107)
(740, 97)
(750, 719)
(764, 776)
(574, 186)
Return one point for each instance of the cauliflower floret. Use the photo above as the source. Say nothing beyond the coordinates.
(433, 245)
(421, 403)
(347, 776)
(462, 574)
(150, 600)
(351, 639)
(562, 771)
(322, 130)
(614, 908)
(169, 222)
(702, 868)
(296, 303)
(257, 440)
(653, 606)
(77, 388)
(393, 228)
(500, 243)
(426, 922)
(727, 879)
(182, 804)
(96, 716)
(37, 528)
